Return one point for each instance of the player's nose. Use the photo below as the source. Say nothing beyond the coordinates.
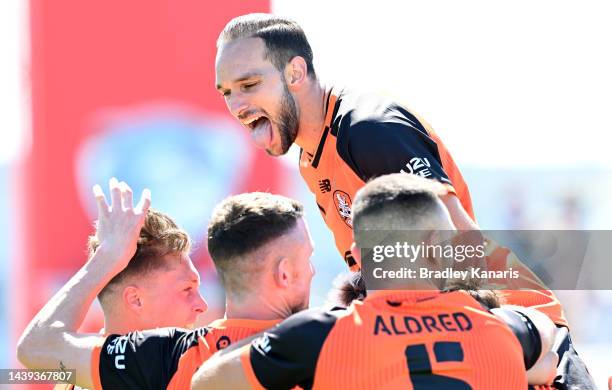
(237, 105)
(200, 305)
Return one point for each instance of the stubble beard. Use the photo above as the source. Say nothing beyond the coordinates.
(288, 122)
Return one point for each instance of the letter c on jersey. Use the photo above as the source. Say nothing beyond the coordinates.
(118, 365)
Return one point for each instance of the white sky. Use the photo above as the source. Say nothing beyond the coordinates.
(521, 83)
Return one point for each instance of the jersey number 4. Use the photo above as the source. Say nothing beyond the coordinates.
(419, 366)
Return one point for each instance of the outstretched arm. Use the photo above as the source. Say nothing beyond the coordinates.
(51, 339)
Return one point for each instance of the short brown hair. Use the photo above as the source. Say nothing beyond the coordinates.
(244, 223)
(488, 298)
(408, 196)
(284, 38)
(347, 288)
(159, 236)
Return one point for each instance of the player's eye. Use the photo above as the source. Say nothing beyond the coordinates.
(249, 86)
(188, 289)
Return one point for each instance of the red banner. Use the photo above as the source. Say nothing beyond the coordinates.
(112, 81)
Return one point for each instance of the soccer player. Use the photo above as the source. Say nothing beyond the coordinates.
(261, 247)
(527, 291)
(264, 71)
(395, 339)
(158, 288)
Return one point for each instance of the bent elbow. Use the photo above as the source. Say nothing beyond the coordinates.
(24, 351)
(29, 347)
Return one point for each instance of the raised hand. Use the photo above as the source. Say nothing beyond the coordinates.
(119, 223)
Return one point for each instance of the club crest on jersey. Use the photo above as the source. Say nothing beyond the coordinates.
(418, 166)
(343, 205)
(223, 342)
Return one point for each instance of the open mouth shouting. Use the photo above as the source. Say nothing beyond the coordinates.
(261, 130)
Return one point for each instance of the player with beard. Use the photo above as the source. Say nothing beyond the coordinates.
(261, 247)
(265, 73)
(412, 337)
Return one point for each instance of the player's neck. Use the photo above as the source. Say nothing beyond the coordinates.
(119, 325)
(311, 104)
(255, 307)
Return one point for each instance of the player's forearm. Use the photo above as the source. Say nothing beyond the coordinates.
(536, 350)
(59, 319)
(222, 371)
(206, 377)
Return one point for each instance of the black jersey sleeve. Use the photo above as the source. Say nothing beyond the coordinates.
(526, 332)
(374, 148)
(286, 355)
(572, 372)
(144, 360)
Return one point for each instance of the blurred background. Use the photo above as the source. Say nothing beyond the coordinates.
(520, 93)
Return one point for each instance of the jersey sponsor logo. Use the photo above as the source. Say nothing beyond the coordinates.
(418, 166)
(263, 343)
(117, 347)
(325, 185)
(119, 362)
(223, 342)
(343, 205)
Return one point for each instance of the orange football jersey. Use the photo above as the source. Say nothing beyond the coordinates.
(366, 136)
(165, 358)
(391, 340)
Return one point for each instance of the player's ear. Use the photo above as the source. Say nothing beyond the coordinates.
(284, 272)
(132, 298)
(356, 252)
(296, 73)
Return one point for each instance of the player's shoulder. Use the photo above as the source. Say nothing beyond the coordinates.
(150, 358)
(314, 317)
(308, 327)
(153, 339)
(223, 332)
(358, 114)
(176, 333)
(368, 126)
(240, 323)
(300, 336)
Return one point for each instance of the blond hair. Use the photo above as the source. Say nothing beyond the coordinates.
(159, 236)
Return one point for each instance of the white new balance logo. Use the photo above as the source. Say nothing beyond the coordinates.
(263, 343)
